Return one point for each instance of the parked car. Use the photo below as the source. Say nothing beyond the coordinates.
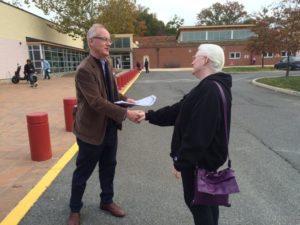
(294, 63)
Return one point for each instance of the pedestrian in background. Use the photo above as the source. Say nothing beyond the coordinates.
(146, 65)
(253, 60)
(46, 68)
(199, 137)
(118, 63)
(29, 70)
(96, 121)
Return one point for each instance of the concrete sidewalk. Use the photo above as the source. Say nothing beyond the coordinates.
(18, 173)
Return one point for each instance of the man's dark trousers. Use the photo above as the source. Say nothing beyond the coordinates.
(87, 159)
(47, 74)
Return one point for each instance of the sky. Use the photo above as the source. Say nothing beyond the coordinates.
(185, 9)
(188, 9)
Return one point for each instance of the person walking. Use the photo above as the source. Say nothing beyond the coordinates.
(29, 70)
(118, 63)
(146, 65)
(253, 61)
(46, 68)
(199, 137)
(96, 120)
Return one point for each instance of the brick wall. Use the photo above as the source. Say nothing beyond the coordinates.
(182, 56)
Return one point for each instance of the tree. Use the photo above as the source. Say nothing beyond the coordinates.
(265, 39)
(118, 16)
(152, 24)
(140, 23)
(287, 24)
(155, 27)
(223, 14)
(75, 17)
(72, 17)
(173, 25)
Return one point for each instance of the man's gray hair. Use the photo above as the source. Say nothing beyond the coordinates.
(214, 53)
(92, 31)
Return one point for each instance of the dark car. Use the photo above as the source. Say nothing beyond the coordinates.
(294, 63)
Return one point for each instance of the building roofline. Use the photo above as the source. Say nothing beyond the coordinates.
(26, 11)
(217, 26)
(38, 41)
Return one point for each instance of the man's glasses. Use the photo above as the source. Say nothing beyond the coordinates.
(105, 39)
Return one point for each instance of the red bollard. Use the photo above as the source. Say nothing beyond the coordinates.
(39, 136)
(69, 104)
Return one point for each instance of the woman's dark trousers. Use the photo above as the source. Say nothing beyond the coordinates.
(202, 214)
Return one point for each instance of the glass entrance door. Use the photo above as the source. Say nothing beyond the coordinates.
(117, 61)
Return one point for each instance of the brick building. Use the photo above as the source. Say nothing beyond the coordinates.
(177, 51)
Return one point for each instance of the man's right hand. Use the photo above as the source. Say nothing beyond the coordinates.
(135, 116)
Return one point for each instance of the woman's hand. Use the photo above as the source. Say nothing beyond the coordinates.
(176, 173)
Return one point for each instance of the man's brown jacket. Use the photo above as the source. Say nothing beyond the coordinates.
(93, 107)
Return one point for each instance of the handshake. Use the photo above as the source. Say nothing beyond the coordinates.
(136, 116)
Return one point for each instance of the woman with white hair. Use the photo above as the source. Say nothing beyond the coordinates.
(199, 137)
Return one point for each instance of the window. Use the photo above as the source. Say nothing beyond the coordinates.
(189, 36)
(121, 42)
(268, 55)
(35, 56)
(215, 35)
(218, 35)
(284, 54)
(242, 34)
(117, 43)
(234, 55)
(60, 59)
(126, 61)
(126, 42)
(225, 35)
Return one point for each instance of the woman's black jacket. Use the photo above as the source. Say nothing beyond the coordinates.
(198, 120)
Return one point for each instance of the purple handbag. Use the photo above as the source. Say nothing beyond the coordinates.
(213, 188)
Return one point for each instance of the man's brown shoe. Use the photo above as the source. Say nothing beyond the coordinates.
(74, 219)
(113, 208)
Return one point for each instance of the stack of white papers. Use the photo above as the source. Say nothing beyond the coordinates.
(148, 101)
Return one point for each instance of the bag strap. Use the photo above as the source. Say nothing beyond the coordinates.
(225, 119)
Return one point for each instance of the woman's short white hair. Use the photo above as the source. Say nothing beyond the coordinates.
(214, 53)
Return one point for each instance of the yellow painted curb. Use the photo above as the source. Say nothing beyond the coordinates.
(16, 214)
